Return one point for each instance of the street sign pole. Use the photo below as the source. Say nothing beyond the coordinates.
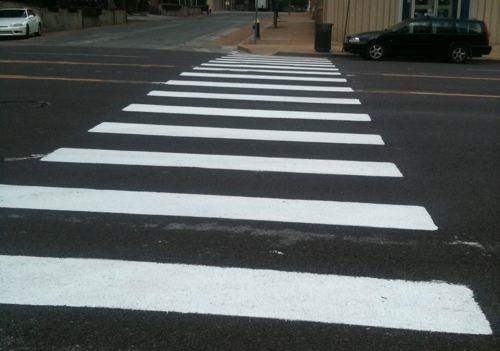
(255, 22)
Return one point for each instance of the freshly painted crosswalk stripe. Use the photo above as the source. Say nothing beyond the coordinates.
(252, 97)
(226, 162)
(227, 69)
(289, 67)
(248, 113)
(217, 206)
(279, 58)
(262, 77)
(233, 133)
(271, 63)
(429, 306)
(211, 84)
(267, 62)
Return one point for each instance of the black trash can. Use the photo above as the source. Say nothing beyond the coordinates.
(323, 37)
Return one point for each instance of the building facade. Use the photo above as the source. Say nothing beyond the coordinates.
(239, 5)
(351, 16)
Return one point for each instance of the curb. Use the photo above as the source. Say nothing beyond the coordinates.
(244, 48)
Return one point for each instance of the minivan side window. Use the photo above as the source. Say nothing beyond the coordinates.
(443, 27)
(419, 27)
(469, 28)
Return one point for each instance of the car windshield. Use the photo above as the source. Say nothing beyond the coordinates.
(12, 13)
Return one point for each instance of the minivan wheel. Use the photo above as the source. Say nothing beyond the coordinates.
(459, 54)
(375, 51)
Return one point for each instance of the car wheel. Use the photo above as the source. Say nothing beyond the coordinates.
(39, 30)
(459, 54)
(27, 34)
(375, 51)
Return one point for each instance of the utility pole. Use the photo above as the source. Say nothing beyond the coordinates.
(275, 4)
(256, 24)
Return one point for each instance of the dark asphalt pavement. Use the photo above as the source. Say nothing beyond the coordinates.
(192, 33)
(440, 125)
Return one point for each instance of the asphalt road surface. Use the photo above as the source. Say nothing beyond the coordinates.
(192, 33)
(187, 200)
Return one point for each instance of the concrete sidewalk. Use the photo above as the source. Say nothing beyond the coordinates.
(294, 35)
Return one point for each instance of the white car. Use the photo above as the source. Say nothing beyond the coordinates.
(19, 22)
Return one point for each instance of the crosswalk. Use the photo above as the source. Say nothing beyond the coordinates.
(309, 90)
(236, 112)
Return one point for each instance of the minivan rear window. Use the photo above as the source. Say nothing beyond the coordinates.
(469, 28)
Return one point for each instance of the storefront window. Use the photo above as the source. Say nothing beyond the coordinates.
(444, 8)
(423, 8)
(436, 8)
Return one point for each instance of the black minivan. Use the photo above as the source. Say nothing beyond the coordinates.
(458, 40)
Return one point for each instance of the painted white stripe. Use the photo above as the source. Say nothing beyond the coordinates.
(233, 133)
(198, 83)
(266, 62)
(263, 77)
(278, 58)
(216, 206)
(251, 97)
(275, 62)
(241, 292)
(250, 113)
(289, 67)
(266, 57)
(226, 162)
(266, 71)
